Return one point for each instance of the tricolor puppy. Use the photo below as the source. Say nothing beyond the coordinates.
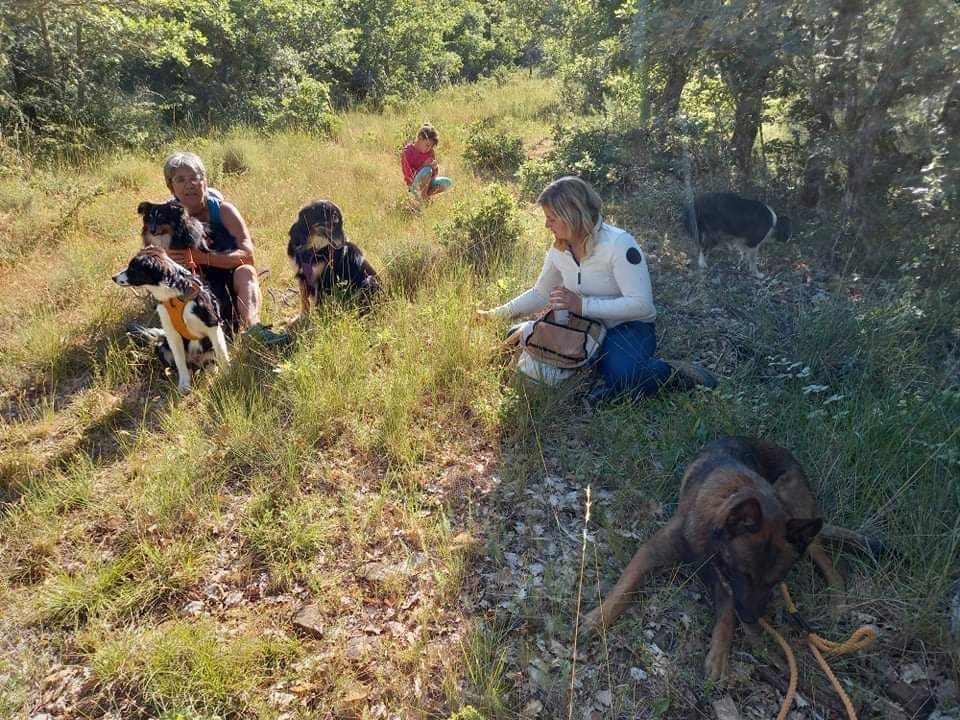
(186, 307)
(323, 258)
(746, 515)
(168, 226)
(723, 216)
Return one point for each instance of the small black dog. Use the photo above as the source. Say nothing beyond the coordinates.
(723, 215)
(322, 257)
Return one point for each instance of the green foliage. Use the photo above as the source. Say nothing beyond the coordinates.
(284, 532)
(90, 75)
(307, 108)
(600, 150)
(188, 664)
(484, 233)
(490, 147)
(485, 666)
(467, 713)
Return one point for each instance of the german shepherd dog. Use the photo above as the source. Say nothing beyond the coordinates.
(188, 310)
(724, 216)
(323, 259)
(746, 515)
(169, 226)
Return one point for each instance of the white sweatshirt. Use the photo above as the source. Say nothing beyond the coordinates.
(612, 279)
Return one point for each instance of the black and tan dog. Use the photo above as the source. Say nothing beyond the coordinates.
(322, 257)
(746, 515)
(168, 226)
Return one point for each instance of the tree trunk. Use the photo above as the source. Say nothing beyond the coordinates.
(872, 117)
(668, 101)
(950, 114)
(48, 49)
(823, 98)
(81, 80)
(746, 124)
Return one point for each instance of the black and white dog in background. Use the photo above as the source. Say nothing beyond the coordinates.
(723, 216)
(187, 309)
(323, 259)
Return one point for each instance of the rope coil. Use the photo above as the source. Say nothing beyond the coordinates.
(861, 639)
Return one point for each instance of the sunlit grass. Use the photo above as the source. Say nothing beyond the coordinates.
(297, 469)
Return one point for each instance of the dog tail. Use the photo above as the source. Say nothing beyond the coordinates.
(865, 543)
(782, 230)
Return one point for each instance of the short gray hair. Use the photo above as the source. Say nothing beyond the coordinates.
(180, 160)
(573, 201)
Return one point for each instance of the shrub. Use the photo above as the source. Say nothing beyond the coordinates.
(484, 233)
(408, 267)
(491, 148)
(235, 161)
(307, 108)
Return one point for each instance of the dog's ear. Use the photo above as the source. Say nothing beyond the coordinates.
(744, 518)
(143, 208)
(801, 532)
(338, 233)
(299, 232)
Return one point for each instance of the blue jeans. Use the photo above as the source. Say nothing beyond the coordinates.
(438, 184)
(626, 360)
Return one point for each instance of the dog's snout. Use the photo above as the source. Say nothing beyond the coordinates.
(751, 609)
(121, 278)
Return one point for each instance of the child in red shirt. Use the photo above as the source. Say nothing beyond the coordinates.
(420, 165)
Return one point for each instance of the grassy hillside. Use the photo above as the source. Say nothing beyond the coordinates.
(387, 474)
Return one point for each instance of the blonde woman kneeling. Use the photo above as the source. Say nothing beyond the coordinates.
(597, 270)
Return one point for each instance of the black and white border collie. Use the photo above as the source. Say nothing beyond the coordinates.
(723, 216)
(177, 290)
(324, 259)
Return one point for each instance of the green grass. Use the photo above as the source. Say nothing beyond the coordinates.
(398, 437)
(190, 665)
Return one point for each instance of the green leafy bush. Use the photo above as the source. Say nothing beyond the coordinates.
(307, 108)
(483, 233)
(491, 148)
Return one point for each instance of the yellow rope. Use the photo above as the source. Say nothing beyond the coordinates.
(791, 662)
(861, 639)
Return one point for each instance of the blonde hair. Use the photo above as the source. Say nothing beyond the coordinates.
(428, 132)
(180, 160)
(575, 202)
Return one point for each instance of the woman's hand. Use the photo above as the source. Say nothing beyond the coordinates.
(563, 299)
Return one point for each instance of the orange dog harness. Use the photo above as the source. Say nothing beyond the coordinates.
(175, 307)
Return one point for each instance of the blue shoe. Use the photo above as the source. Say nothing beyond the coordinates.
(265, 336)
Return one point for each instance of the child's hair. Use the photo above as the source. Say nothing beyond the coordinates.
(428, 132)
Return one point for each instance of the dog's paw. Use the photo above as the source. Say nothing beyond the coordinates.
(183, 388)
(717, 664)
(589, 625)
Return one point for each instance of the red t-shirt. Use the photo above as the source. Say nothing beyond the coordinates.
(411, 160)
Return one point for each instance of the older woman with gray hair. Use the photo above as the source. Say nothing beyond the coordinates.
(598, 271)
(186, 178)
